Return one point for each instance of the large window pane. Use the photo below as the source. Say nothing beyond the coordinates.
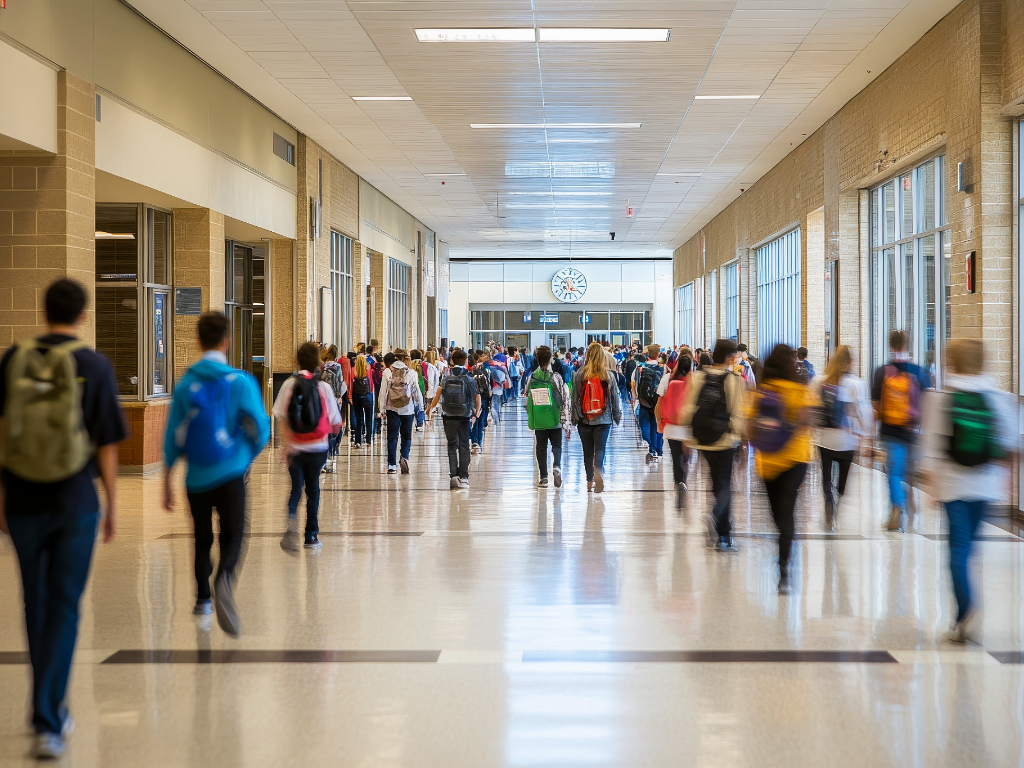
(621, 321)
(928, 290)
(487, 321)
(889, 212)
(778, 293)
(907, 205)
(570, 321)
(522, 320)
(117, 334)
(117, 247)
(598, 321)
(926, 177)
(160, 246)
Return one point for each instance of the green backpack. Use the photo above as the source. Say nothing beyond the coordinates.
(44, 439)
(543, 402)
(974, 440)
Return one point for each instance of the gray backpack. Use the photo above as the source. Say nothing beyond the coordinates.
(44, 439)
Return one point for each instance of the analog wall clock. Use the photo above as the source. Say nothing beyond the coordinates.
(568, 285)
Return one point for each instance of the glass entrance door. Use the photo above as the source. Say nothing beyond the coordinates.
(558, 341)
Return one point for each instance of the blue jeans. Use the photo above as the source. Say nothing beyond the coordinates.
(594, 439)
(304, 469)
(399, 426)
(54, 552)
(649, 429)
(964, 518)
(476, 430)
(897, 454)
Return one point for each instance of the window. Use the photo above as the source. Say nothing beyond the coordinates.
(778, 293)
(284, 149)
(909, 233)
(341, 289)
(685, 315)
(159, 375)
(713, 307)
(731, 273)
(398, 302)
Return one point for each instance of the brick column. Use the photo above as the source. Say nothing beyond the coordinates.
(378, 283)
(814, 304)
(48, 216)
(282, 306)
(198, 263)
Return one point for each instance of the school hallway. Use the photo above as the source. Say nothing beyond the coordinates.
(507, 625)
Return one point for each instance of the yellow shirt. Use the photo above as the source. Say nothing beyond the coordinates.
(796, 398)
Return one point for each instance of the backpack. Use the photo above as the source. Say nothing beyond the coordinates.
(974, 440)
(306, 413)
(421, 378)
(455, 397)
(769, 428)
(333, 377)
(647, 387)
(901, 398)
(362, 386)
(543, 402)
(672, 402)
(203, 434)
(44, 438)
(398, 392)
(593, 398)
(832, 411)
(711, 416)
(483, 382)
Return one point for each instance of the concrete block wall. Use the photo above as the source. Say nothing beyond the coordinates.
(198, 263)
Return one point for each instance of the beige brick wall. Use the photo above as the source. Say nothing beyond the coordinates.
(198, 263)
(282, 307)
(48, 216)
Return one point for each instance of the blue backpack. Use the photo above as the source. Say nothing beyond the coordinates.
(770, 431)
(203, 434)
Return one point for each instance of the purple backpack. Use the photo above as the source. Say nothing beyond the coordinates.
(769, 428)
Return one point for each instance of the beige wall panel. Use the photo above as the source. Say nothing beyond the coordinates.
(518, 293)
(814, 307)
(32, 87)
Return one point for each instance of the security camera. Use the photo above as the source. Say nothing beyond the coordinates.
(612, 234)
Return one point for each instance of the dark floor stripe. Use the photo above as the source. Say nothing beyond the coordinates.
(1008, 657)
(945, 537)
(271, 657)
(279, 534)
(762, 657)
(13, 657)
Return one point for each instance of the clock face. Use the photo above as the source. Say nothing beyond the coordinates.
(568, 285)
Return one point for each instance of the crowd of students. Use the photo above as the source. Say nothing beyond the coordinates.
(60, 422)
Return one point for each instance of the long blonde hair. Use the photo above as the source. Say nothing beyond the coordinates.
(360, 368)
(838, 365)
(594, 366)
(431, 357)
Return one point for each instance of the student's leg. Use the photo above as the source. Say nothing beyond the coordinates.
(895, 463)
(295, 473)
(782, 492)
(643, 417)
(587, 441)
(720, 466)
(827, 459)
(555, 437)
(312, 464)
(675, 447)
(541, 440)
(406, 432)
(230, 502)
(357, 420)
(601, 433)
(463, 429)
(659, 438)
(201, 505)
(844, 459)
(451, 433)
(394, 425)
(964, 518)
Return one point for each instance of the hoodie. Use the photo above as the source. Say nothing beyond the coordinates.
(401, 371)
(247, 420)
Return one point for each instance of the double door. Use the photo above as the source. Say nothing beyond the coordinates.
(245, 307)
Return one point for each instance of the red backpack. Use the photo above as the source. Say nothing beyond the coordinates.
(672, 402)
(593, 398)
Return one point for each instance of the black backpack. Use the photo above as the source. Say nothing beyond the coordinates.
(456, 396)
(305, 408)
(647, 387)
(711, 416)
(362, 386)
(483, 382)
(832, 413)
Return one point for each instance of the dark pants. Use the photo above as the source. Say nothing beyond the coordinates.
(595, 440)
(720, 466)
(362, 418)
(304, 469)
(399, 426)
(346, 409)
(649, 429)
(782, 492)
(229, 500)
(680, 454)
(964, 519)
(828, 457)
(511, 393)
(545, 436)
(476, 432)
(54, 552)
(457, 432)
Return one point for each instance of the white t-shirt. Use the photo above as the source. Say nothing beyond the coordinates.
(854, 393)
(280, 410)
(672, 431)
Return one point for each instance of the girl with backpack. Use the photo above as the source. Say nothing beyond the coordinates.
(362, 403)
(779, 414)
(398, 400)
(669, 413)
(548, 413)
(844, 421)
(595, 405)
(330, 371)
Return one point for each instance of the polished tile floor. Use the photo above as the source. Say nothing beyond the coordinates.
(511, 625)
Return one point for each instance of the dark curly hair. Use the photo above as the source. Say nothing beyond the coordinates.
(781, 364)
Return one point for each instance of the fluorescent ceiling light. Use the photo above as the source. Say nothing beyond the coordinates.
(602, 35)
(500, 35)
(114, 236)
(708, 98)
(544, 170)
(435, 175)
(677, 174)
(565, 192)
(382, 98)
(559, 206)
(578, 141)
(555, 125)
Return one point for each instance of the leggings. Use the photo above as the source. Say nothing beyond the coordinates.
(782, 492)
(680, 454)
(545, 436)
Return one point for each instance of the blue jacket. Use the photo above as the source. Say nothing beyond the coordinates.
(246, 417)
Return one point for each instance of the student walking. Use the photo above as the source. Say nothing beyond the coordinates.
(896, 396)
(307, 414)
(432, 372)
(779, 416)
(714, 414)
(845, 423)
(460, 406)
(61, 425)
(646, 379)
(669, 411)
(362, 403)
(548, 413)
(804, 366)
(398, 399)
(595, 405)
(482, 379)
(330, 372)
(969, 429)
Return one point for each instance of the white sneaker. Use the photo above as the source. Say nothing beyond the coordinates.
(464, 482)
(392, 469)
(455, 484)
(49, 746)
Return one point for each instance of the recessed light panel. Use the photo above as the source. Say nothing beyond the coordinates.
(500, 35)
(709, 98)
(602, 35)
(382, 98)
(557, 170)
(668, 173)
(553, 126)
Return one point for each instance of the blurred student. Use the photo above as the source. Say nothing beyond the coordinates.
(595, 405)
(670, 411)
(397, 401)
(362, 403)
(548, 412)
(460, 406)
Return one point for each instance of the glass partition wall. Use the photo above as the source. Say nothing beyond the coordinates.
(559, 327)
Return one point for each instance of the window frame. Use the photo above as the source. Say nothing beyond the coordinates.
(343, 289)
(149, 289)
(686, 307)
(778, 264)
(399, 278)
(731, 303)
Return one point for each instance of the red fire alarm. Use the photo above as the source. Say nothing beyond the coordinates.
(970, 272)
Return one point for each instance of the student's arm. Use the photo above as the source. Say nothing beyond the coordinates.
(106, 460)
(616, 398)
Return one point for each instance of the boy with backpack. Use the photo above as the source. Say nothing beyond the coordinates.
(646, 379)
(896, 396)
(480, 370)
(548, 412)
(397, 402)
(714, 414)
(307, 414)
(61, 423)
(804, 366)
(218, 424)
(460, 405)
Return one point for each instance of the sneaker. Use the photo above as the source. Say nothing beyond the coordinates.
(404, 464)
(895, 520)
(474, 448)
(680, 495)
(648, 458)
(49, 746)
(203, 608)
(590, 485)
(392, 469)
(557, 473)
(312, 542)
(290, 540)
(598, 481)
(480, 449)
(784, 584)
(543, 483)
(727, 544)
(464, 482)
(67, 726)
(956, 633)
(711, 530)
(455, 484)
(227, 614)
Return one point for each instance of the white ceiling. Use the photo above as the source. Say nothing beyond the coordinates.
(306, 59)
